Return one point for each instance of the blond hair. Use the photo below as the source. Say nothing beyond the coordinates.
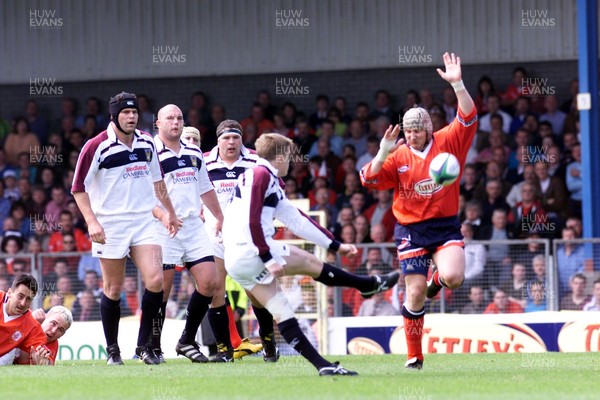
(270, 145)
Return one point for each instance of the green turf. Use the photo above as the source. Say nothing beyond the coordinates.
(459, 376)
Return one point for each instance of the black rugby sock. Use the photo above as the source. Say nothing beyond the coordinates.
(291, 332)
(110, 311)
(151, 302)
(219, 322)
(196, 310)
(332, 276)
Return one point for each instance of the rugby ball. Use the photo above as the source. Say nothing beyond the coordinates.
(444, 169)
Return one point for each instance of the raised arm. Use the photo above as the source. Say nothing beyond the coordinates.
(453, 75)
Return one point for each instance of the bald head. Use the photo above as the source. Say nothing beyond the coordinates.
(170, 123)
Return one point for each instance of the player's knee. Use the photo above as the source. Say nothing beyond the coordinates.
(280, 308)
(155, 283)
(453, 280)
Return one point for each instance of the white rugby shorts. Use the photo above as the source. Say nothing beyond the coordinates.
(190, 244)
(122, 233)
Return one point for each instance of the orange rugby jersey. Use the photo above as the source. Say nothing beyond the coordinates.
(21, 332)
(416, 197)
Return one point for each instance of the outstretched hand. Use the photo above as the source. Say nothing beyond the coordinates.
(453, 71)
(388, 143)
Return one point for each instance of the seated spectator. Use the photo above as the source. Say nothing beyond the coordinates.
(528, 215)
(515, 287)
(383, 106)
(538, 263)
(594, 303)
(357, 202)
(476, 304)
(326, 134)
(91, 283)
(291, 189)
(569, 260)
(130, 301)
(59, 269)
(473, 216)
(319, 183)
(497, 139)
(351, 186)
(18, 213)
(18, 266)
(553, 115)
(322, 203)
(357, 138)
(88, 307)
(345, 217)
(485, 88)
(493, 173)
(348, 235)
(372, 149)
(493, 103)
(65, 226)
(361, 225)
(381, 212)
(320, 114)
(502, 305)
(257, 118)
(57, 204)
(475, 258)
(469, 181)
(515, 89)
(554, 196)
(536, 299)
(514, 196)
(340, 127)
(576, 299)
(498, 256)
(63, 291)
(11, 191)
(376, 306)
(373, 261)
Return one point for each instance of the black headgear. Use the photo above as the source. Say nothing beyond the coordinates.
(120, 102)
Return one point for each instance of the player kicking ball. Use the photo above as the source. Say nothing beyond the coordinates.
(255, 259)
(428, 228)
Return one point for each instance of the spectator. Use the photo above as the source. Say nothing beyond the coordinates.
(569, 259)
(37, 123)
(130, 296)
(291, 189)
(17, 212)
(450, 104)
(341, 104)
(11, 191)
(515, 89)
(357, 202)
(93, 107)
(59, 269)
(56, 205)
(494, 200)
(493, 172)
(502, 305)
(376, 306)
(553, 115)
(575, 224)
(91, 283)
(522, 110)
(257, 118)
(351, 186)
(497, 139)
(361, 226)
(515, 287)
(538, 264)
(303, 137)
(63, 291)
(473, 216)
(469, 181)
(348, 166)
(88, 308)
(348, 235)
(372, 149)
(65, 226)
(475, 305)
(536, 299)
(383, 107)
(485, 88)
(514, 196)
(381, 212)
(320, 114)
(493, 104)
(528, 215)
(289, 114)
(146, 116)
(361, 113)
(553, 191)
(357, 138)
(498, 256)
(374, 261)
(322, 203)
(576, 299)
(475, 258)
(574, 181)
(594, 303)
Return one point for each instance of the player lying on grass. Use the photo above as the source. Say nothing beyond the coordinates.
(255, 259)
(428, 227)
(19, 330)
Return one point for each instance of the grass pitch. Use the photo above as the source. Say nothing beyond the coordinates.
(459, 376)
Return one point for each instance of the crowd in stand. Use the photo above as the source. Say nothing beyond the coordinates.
(522, 181)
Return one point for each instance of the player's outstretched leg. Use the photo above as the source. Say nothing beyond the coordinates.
(266, 331)
(300, 262)
(277, 304)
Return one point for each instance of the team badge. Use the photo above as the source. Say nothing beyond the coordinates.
(16, 336)
(403, 169)
(148, 154)
(194, 162)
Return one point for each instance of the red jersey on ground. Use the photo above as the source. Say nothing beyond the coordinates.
(20, 332)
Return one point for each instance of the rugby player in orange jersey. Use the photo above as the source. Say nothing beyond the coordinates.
(428, 229)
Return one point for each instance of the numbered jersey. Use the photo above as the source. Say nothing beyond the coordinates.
(416, 197)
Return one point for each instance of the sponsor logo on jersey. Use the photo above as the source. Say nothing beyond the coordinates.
(16, 336)
(261, 276)
(403, 169)
(404, 243)
(230, 174)
(427, 187)
(181, 163)
(133, 157)
(136, 172)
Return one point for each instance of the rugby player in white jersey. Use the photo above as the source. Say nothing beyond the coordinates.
(189, 187)
(255, 259)
(116, 183)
